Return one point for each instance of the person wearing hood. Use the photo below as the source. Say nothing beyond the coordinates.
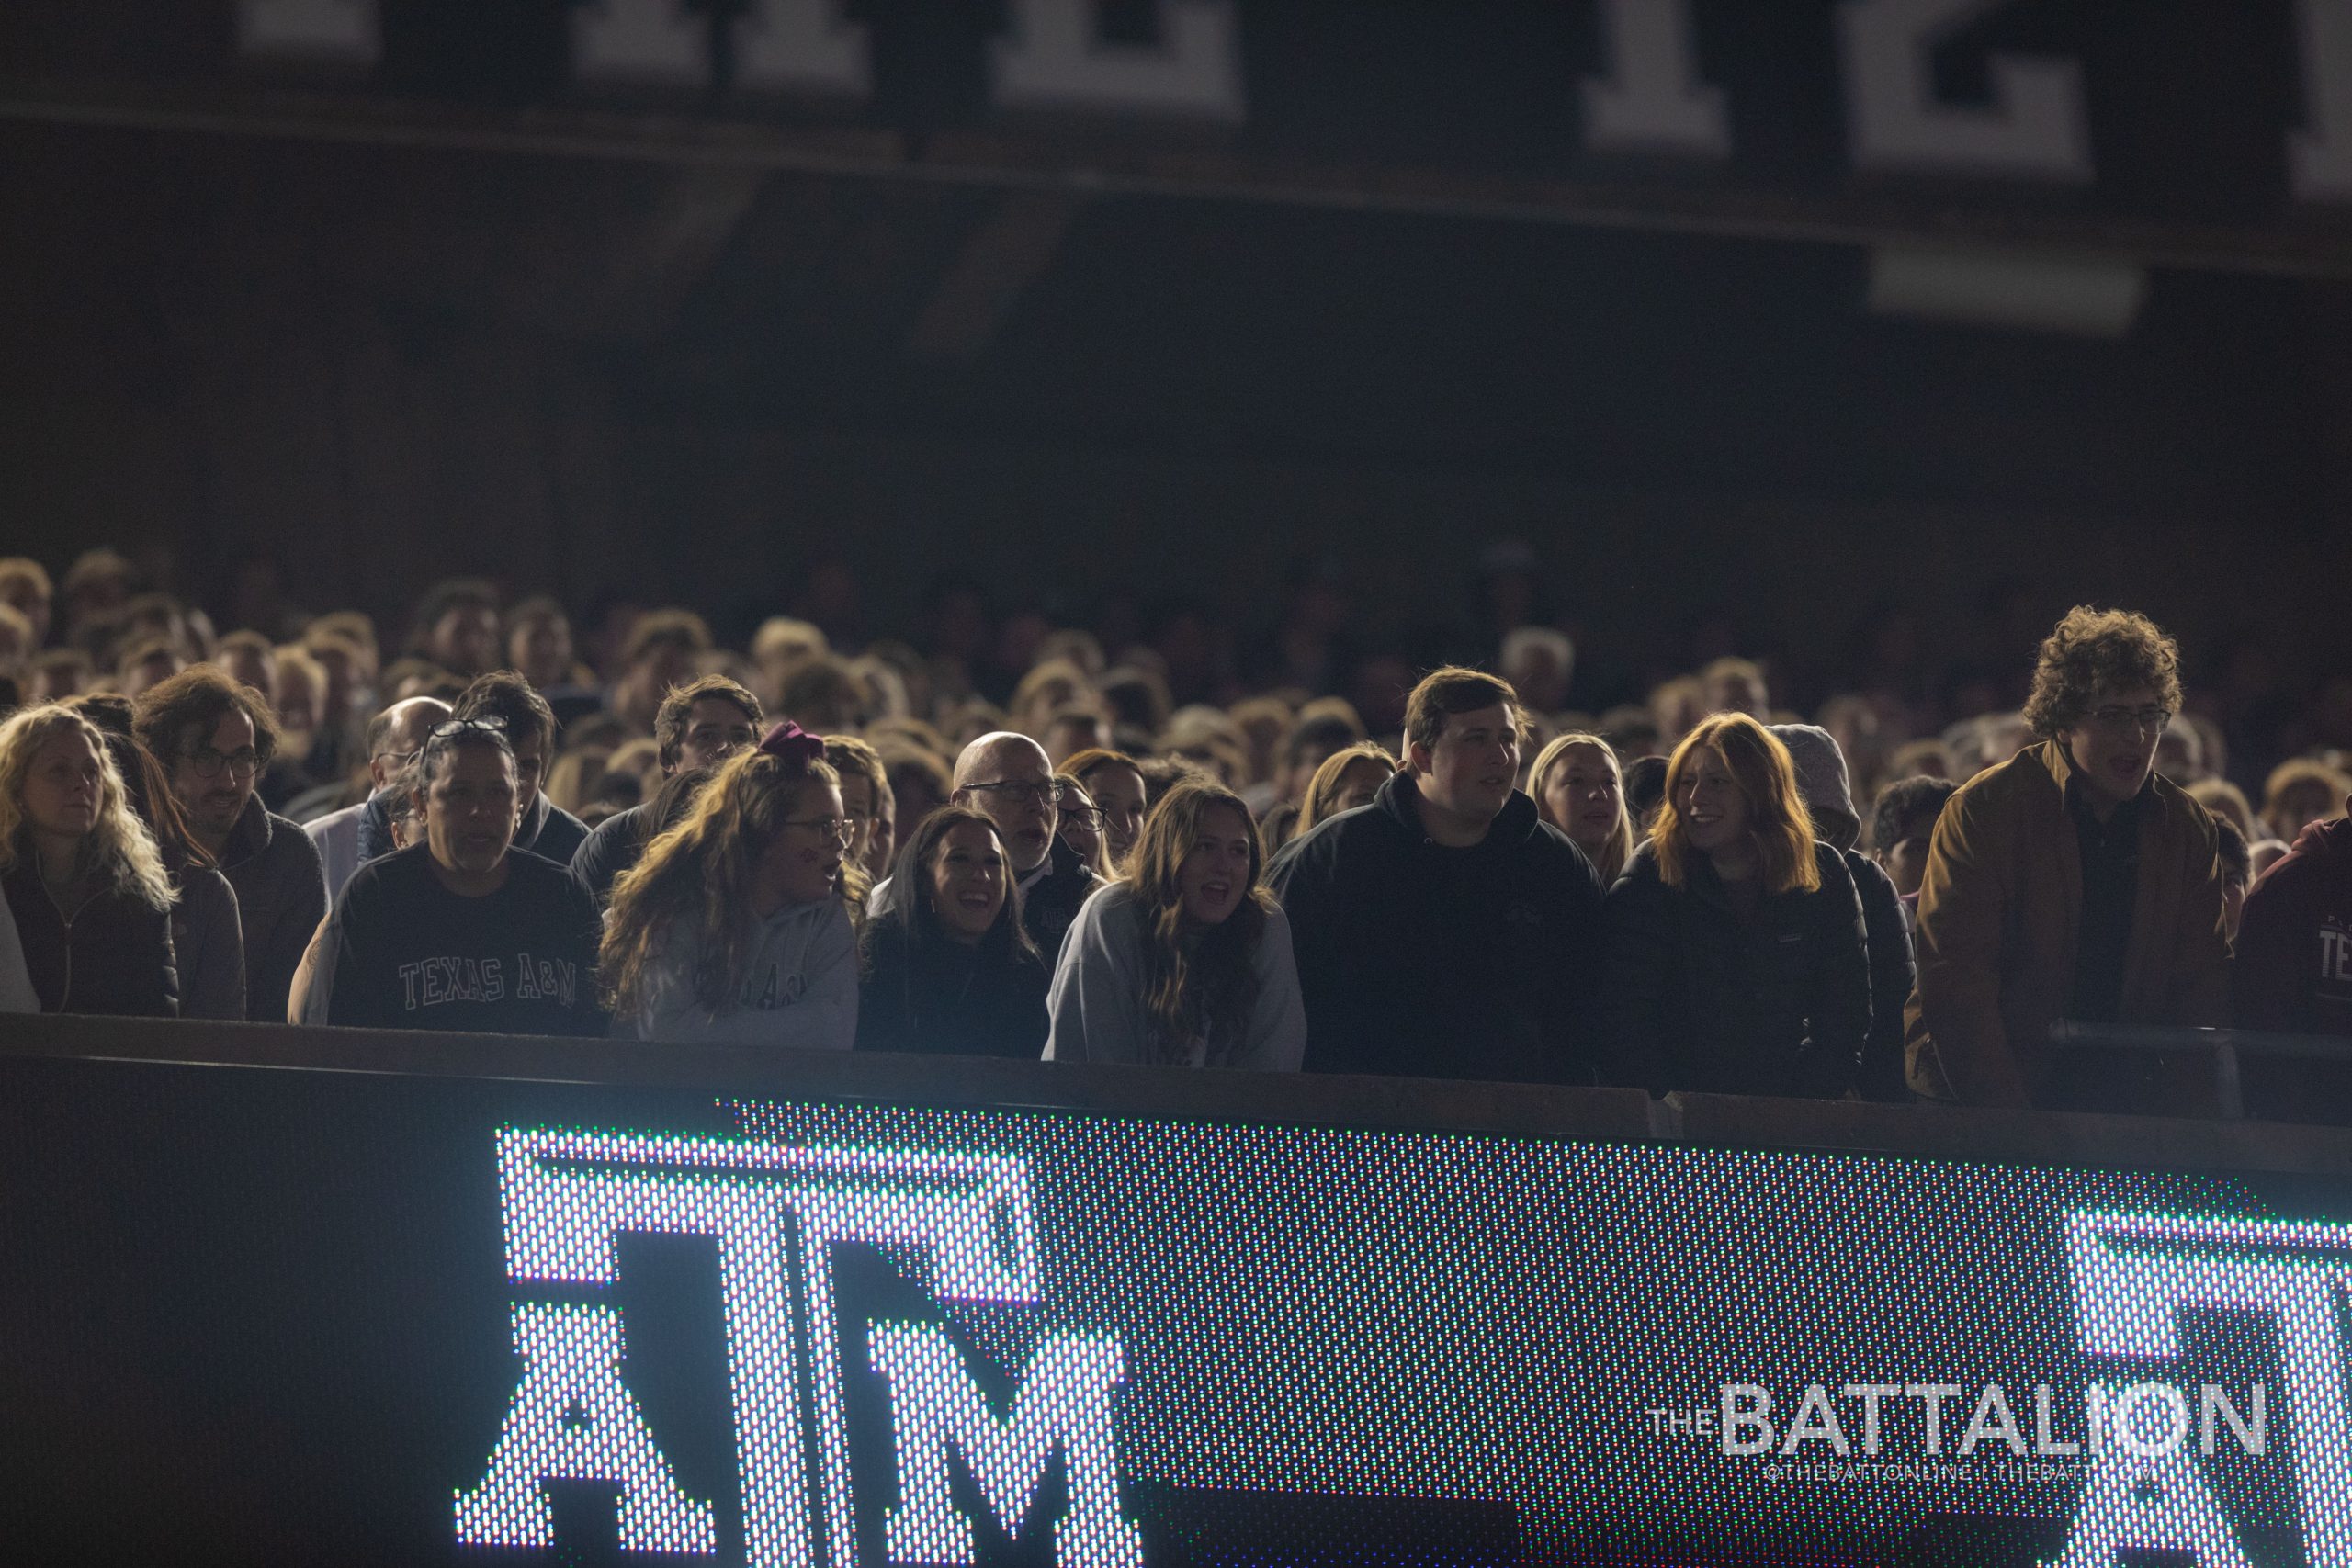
(1820, 764)
(215, 737)
(1738, 961)
(2073, 882)
(345, 838)
(1186, 961)
(950, 969)
(458, 931)
(504, 697)
(739, 923)
(1445, 930)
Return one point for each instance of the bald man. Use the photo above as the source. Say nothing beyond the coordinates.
(1006, 778)
(394, 736)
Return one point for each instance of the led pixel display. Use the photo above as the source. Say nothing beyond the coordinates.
(273, 1317)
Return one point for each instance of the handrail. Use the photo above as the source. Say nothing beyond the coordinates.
(1366, 1104)
(2229, 1089)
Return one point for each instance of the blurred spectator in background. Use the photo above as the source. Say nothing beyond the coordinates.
(457, 626)
(1901, 826)
(864, 786)
(1645, 793)
(25, 588)
(394, 738)
(1538, 662)
(1350, 777)
(2301, 791)
(698, 724)
(1081, 826)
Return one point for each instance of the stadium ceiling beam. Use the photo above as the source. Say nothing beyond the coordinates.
(1079, 161)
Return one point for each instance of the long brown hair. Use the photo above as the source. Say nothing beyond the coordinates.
(702, 872)
(1614, 854)
(1777, 821)
(1201, 980)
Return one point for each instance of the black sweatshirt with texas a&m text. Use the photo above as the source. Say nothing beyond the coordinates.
(403, 952)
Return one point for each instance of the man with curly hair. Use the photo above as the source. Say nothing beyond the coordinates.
(2072, 882)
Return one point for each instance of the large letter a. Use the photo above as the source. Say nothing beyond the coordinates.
(573, 1421)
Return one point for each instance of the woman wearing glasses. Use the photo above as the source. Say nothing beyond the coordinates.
(1081, 826)
(83, 880)
(1187, 962)
(950, 969)
(737, 924)
(1116, 784)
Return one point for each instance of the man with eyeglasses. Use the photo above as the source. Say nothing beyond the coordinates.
(2073, 882)
(394, 737)
(216, 738)
(1006, 778)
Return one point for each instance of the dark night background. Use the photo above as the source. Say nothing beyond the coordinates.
(660, 362)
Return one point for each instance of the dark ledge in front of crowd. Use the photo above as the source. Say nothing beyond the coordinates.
(1419, 1104)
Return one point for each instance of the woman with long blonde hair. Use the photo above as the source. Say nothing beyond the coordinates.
(1346, 779)
(1738, 959)
(1579, 788)
(739, 923)
(1187, 961)
(84, 879)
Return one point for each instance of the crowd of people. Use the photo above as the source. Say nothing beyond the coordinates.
(1071, 850)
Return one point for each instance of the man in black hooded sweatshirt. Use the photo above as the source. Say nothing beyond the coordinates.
(1445, 931)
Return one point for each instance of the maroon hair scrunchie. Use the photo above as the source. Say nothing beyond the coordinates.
(793, 745)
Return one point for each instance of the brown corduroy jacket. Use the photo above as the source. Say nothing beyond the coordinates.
(1998, 912)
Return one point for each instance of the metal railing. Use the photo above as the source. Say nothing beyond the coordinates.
(2228, 1046)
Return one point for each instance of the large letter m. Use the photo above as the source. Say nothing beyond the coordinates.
(1064, 1402)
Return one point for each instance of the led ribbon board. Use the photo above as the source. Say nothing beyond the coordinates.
(269, 1317)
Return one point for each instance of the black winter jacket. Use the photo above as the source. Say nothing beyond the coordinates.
(1892, 974)
(1776, 1004)
(110, 955)
(940, 996)
(1428, 962)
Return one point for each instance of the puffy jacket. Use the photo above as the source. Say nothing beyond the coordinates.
(1779, 1003)
(1427, 961)
(1892, 974)
(942, 996)
(110, 953)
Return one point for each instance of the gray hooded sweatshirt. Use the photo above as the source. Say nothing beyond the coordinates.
(799, 989)
(1097, 1006)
